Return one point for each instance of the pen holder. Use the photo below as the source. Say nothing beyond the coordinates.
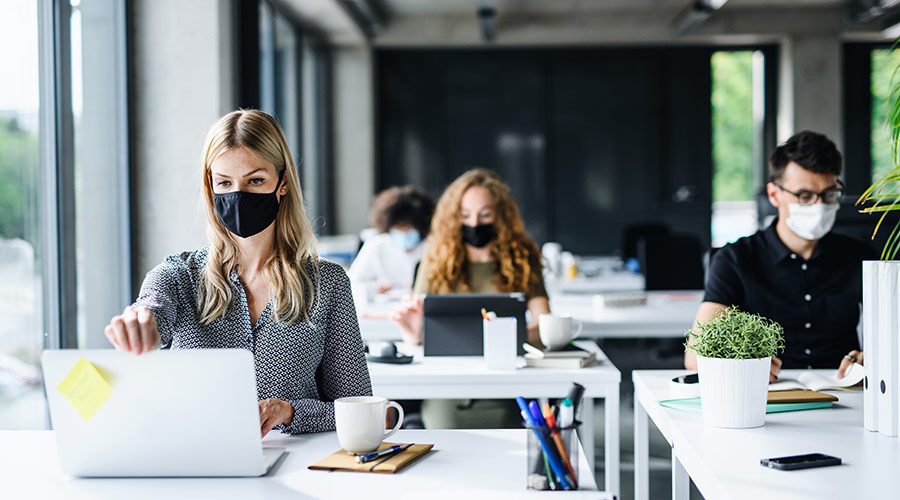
(543, 467)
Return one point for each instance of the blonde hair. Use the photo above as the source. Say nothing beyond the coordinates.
(295, 244)
(518, 260)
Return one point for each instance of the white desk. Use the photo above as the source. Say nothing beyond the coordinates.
(610, 281)
(465, 377)
(724, 463)
(464, 464)
(666, 314)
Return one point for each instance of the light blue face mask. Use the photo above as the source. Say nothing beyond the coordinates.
(406, 239)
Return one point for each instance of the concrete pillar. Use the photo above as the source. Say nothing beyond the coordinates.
(354, 137)
(810, 85)
(183, 82)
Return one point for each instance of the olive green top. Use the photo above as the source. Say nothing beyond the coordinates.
(480, 278)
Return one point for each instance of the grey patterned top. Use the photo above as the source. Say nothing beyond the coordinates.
(308, 364)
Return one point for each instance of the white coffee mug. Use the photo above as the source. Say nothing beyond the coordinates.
(360, 422)
(556, 331)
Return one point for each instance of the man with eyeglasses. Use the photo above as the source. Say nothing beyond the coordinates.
(796, 272)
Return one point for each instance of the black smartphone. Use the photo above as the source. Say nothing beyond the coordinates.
(807, 461)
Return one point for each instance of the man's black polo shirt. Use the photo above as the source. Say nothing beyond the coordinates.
(816, 301)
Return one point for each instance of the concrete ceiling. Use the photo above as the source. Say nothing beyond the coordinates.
(563, 22)
(329, 18)
(573, 7)
(414, 23)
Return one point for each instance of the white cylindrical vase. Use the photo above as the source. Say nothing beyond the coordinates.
(733, 392)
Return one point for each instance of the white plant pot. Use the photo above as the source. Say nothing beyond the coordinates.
(733, 392)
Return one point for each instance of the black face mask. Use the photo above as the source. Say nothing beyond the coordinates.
(246, 214)
(478, 236)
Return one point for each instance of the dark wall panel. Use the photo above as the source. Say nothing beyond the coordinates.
(495, 121)
(603, 123)
(411, 117)
(589, 140)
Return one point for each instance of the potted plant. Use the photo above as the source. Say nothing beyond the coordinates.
(734, 352)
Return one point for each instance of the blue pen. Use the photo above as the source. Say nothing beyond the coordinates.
(378, 454)
(555, 465)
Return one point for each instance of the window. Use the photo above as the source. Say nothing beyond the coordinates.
(738, 163)
(279, 73)
(291, 80)
(63, 198)
(22, 403)
(883, 78)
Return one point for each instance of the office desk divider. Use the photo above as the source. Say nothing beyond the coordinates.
(564, 454)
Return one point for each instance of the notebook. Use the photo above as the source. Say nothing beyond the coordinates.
(692, 405)
(570, 356)
(341, 460)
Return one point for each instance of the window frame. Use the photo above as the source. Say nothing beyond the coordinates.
(57, 166)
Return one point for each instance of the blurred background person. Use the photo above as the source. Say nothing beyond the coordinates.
(388, 260)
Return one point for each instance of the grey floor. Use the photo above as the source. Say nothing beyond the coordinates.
(630, 355)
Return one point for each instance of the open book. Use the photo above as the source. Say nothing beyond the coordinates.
(816, 382)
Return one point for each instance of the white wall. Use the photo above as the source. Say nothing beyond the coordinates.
(183, 82)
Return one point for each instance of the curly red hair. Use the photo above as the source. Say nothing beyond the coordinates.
(517, 258)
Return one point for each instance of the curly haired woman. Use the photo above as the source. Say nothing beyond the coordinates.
(477, 244)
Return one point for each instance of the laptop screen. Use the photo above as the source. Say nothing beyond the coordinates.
(453, 322)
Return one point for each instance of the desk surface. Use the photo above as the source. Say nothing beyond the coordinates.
(467, 377)
(724, 463)
(464, 464)
(666, 314)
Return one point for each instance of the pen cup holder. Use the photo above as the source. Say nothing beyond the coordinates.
(545, 467)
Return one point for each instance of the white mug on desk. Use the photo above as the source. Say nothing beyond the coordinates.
(556, 331)
(360, 422)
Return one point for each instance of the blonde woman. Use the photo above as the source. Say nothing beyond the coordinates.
(258, 284)
(477, 244)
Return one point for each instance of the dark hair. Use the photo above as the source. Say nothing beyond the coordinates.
(810, 150)
(402, 205)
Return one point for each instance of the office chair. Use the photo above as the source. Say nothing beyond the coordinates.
(671, 262)
(635, 232)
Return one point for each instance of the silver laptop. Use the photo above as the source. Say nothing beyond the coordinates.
(171, 413)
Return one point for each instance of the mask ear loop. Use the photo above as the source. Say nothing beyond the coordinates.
(280, 179)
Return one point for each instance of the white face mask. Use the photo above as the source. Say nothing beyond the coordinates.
(812, 222)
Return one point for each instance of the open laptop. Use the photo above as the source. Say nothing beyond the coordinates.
(453, 322)
(171, 413)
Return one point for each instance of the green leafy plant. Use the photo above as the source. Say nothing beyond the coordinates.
(883, 196)
(735, 334)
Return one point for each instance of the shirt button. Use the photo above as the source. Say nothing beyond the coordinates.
(807, 352)
(803, 266)
(794, 256)
(807, 297)
(808, 325)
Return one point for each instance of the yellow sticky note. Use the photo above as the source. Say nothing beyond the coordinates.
(85, 389)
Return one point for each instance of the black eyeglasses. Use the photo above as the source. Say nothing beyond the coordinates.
(829, 196)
